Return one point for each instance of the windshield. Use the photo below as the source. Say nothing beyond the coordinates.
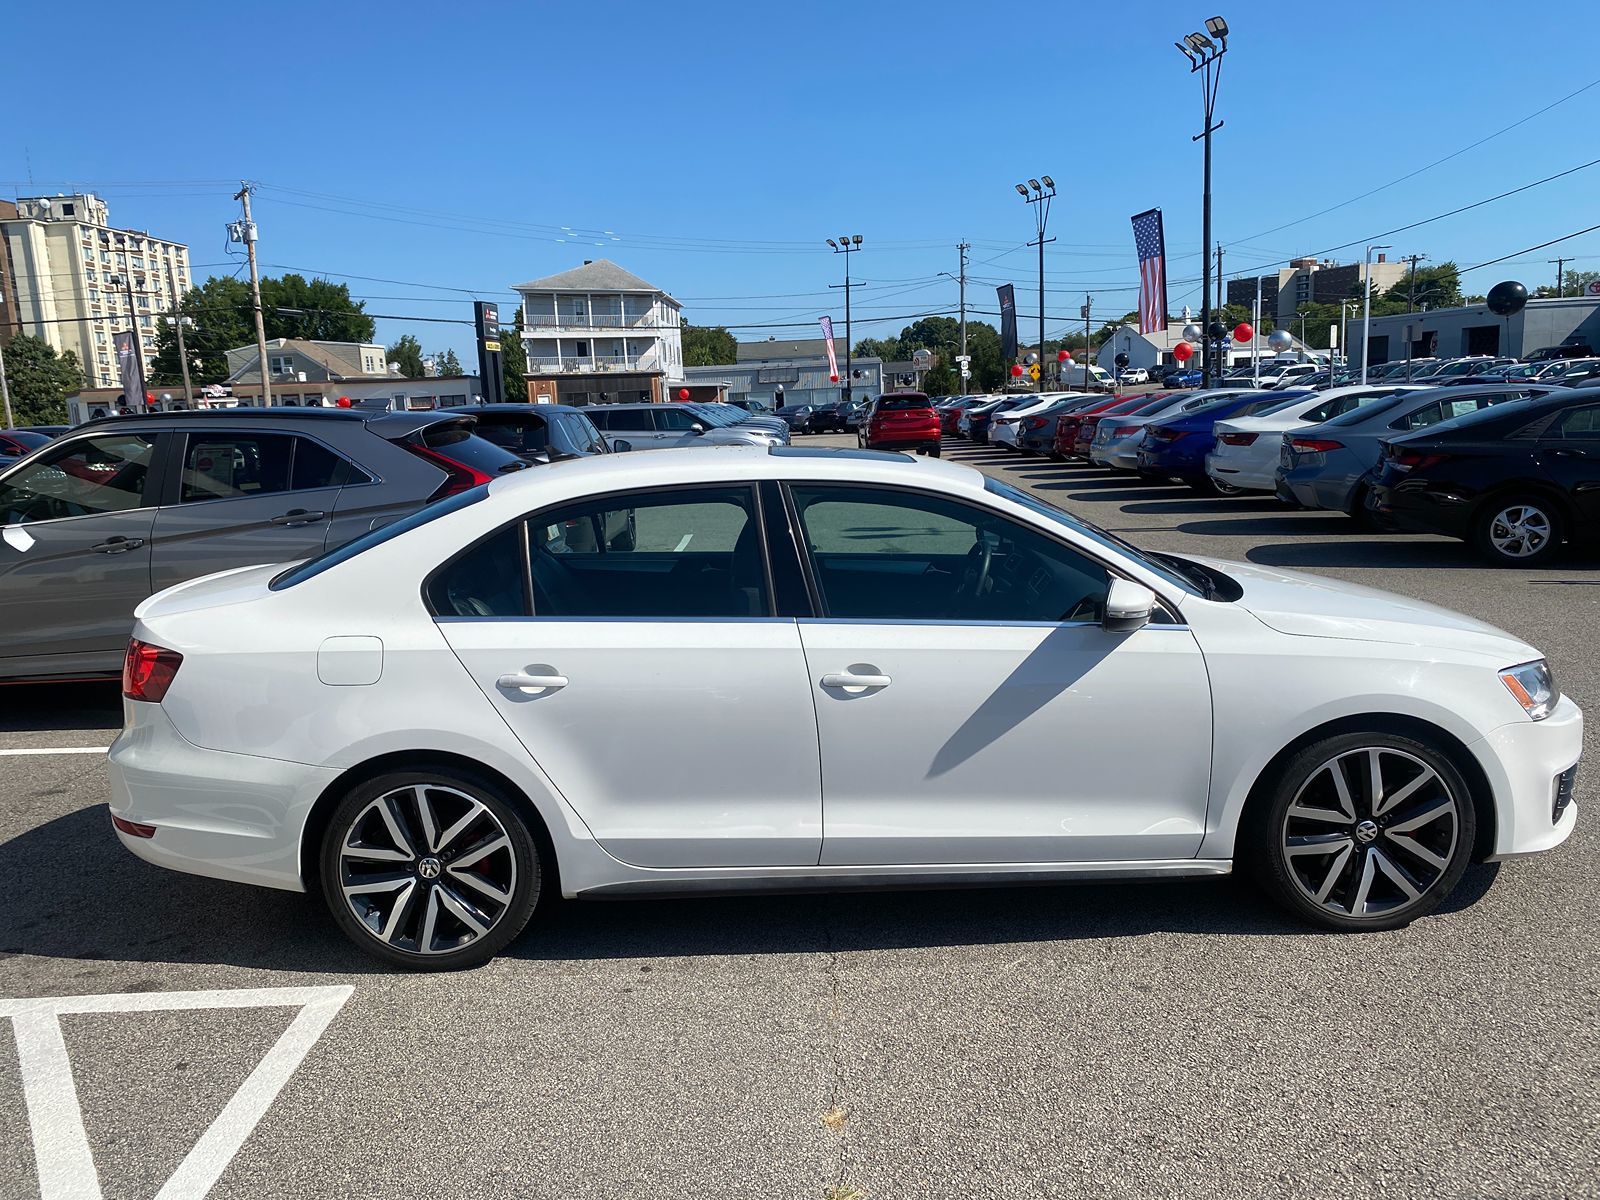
(1109, 540)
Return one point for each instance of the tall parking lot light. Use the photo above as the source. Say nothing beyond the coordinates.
(1205, 56)
(1040, 198)
(846, 245)
(1366, 317)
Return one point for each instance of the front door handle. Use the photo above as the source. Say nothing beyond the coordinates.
(298, 516)
(118, 545)
(1572, 453)
(518, 682)
(849, 681)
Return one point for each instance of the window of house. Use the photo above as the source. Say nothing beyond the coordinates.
(66, 210)
(280, 364)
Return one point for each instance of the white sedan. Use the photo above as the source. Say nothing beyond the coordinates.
(1249, 449)
(812, 669)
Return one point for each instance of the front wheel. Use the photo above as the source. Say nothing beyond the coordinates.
(430, 870)
(1518, 531)
(1362, 831)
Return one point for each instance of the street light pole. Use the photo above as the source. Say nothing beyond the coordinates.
(126, 278)
(1366, 318)
(1205, 56)
(846, 246)
(1040, 198)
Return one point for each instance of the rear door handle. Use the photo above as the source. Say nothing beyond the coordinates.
(298, 516)
(849, 681)
(118, 545)
(518, 682)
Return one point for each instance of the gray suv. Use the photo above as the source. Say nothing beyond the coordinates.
(123, 507)
(659, 426)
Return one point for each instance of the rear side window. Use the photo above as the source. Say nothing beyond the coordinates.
(232, 466)
(457, 442)
(1582, 423)
(432, 512)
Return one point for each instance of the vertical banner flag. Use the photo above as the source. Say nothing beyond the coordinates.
(827, 340)
(128, 364)
(1008, 322)
(1151, 245)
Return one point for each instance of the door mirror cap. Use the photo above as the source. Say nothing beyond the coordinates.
(1128, 606)
(620, 445)
(697, 428)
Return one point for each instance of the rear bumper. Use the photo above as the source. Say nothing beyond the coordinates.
(1421, 512)
(1241, 472)
(226, 816)
(1524, 762)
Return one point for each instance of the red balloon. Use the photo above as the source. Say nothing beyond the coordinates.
(833, 379)
(1182, 351)
(1016, 370)
(1063, 356)
(343, 402)
(683, 393)
(1242, 332)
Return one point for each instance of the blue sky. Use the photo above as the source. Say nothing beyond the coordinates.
(410, 148)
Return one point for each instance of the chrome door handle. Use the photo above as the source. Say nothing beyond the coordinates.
(518, 682)
(118, 545)
(847, 681)
(298, 516)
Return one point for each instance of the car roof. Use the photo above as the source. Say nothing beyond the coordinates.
(527, 408)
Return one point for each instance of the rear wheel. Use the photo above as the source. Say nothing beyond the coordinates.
(932, 451)
(1518, 531)
(430, 870)
(1362, 831)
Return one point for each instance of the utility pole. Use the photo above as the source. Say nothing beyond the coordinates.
(247, 234)
(1088, 307)
(1219, 275)
(1411, 286)
(183, 351)
(5, 390)
(1561, 264)
(965, 366)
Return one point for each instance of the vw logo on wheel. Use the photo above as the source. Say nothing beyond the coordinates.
(429, 868)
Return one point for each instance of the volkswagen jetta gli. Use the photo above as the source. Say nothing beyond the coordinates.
(466, 712)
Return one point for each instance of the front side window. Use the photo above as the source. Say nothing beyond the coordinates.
(1580, 423)
(90, 476)
(883, 554)
(675, 420)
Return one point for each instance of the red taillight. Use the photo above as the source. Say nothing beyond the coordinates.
(1407, 460)
(133, 828)
(1314, 445)
(147, 671)
(1037, 422)
(1237, 439)
(1125, 430)
(458, 476)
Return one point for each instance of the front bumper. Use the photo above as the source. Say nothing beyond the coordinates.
(1524, 762)
(237, 817)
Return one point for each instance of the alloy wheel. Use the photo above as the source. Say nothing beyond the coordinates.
(1370, 832)
(1520, 531)
(427, 869)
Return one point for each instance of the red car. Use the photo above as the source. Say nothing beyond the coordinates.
(1067, 425)
(901, 421)
(1132, 404)
(951, 413)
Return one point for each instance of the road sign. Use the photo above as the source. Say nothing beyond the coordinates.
(1033, 371)
(966, 359)
(966, 373)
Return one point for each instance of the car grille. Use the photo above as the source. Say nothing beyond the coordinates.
(1565, 783)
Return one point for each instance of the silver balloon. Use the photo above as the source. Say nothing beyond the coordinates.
(1280, 340)
(1031, 359)
(1191, 333)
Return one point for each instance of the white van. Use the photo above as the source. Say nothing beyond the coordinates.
(1086, 377)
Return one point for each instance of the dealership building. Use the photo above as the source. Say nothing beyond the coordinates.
(789, 371)
(1473, 329)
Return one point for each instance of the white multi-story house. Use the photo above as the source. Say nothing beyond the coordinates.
(598, 334)
(73, 275)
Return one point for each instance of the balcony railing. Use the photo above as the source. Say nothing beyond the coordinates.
(593, 364)
(597, 320)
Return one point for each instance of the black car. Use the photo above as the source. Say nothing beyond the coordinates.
(1516, 479)
(829, 418)
(541, 433)
(796, 416)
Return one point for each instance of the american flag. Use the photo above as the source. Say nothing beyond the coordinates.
(827, 337)
(1152, 248)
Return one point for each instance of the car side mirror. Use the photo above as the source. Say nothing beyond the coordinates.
(697, 428)
(621, 445)
(1128, 606)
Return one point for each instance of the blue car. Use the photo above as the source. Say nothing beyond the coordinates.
(1177, 449)
(1183, 377)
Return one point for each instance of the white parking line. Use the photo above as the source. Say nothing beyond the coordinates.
(58, 750)
(683, 545)
(60, 1144)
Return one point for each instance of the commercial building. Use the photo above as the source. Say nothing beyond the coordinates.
(789, 371)
(309, 374)
(1314, 281)
(1473, 329)
(1153, 351)
(598, 334)
(67, 274)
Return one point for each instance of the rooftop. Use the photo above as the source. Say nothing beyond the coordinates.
(601, 275)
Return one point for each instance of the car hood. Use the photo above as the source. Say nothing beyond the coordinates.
(1315, 606)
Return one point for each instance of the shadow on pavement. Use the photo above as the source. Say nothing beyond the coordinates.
(1356, 552)
(26, 707)
(1281, 525)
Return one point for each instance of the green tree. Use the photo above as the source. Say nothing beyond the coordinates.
(40, 380)
(1432, 287)
(1573, 283)
(406, 354)
(708, 346)
(888, 349)
(514, 361)
(447, 363)
(315, 309)
(942, 380)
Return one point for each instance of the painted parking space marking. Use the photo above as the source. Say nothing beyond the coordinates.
(56, 750)
(60, 1143)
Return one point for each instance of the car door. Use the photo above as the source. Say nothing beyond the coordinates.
(75, 532)
(971, 708)
(236, 497)
(650, 682)
(1569, 454)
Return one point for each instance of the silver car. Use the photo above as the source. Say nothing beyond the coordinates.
(1116, 441)
(1326, 466)
(663, 426)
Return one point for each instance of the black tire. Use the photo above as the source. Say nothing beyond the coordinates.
(1489, 530)
(1361, 514)
(1269, 827)
(1211, 487)
(518, 864)
(932, 451)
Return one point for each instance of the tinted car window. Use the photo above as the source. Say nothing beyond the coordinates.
(315, 466)
(677, 420)
(625, 420)
(878, 554)
(89, 475)
(226, 467)
(1581, 423)
(520, 434)
(464, 447)
(901, 403)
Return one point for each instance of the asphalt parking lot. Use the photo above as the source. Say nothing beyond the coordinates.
(1103, 1040)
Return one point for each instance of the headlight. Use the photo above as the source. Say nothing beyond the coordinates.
(1533, 686)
